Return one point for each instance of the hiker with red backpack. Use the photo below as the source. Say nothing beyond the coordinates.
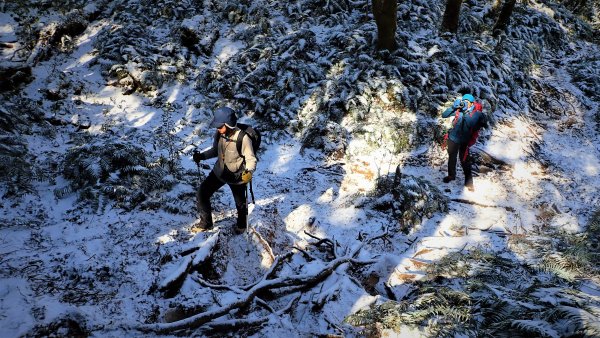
(233, 145)
(468, 119)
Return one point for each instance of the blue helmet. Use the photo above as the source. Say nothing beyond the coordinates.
(224, 116)
(469, 98)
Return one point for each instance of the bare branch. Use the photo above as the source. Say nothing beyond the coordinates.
(306, 255)
(206, 284)
(264, 304)
(461, 200)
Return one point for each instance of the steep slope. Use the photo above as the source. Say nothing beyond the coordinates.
(110, 98)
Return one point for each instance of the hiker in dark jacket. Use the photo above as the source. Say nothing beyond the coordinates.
(468, 119)
(231, 168)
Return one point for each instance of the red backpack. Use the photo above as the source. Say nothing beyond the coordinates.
(475, 133)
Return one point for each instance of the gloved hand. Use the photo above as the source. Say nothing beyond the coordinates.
(457, 104)
(197, 157)
(246, 176)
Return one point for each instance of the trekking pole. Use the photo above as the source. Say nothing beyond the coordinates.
(246, 193)
(199, 172)
(252, 193)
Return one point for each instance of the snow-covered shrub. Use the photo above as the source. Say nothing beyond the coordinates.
(138, 59)
(17, 118)
(120, 171)
(578, 16)
(586, 75)
(281, 71)
(15, 165)
(575, 255)
(588, 10)
(594, 223)
(14, 75)
(330, 138)
(89, 164)
(411, 199)
(57, 36)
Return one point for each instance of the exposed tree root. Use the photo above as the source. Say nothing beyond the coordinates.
(265, 286)
(264, 244)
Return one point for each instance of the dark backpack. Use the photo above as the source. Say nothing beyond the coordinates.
(255, 137)
(252, 133)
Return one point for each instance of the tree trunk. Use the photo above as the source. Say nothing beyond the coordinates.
(384, 12)
(504, 17)
(451, 16)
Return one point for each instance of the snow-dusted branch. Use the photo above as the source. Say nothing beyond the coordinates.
(234, 324)
(328, 243)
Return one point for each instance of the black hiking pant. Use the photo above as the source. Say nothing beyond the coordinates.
(210, 185)
(462, 150)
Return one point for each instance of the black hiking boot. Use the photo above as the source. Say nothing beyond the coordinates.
(240, 227)
(204, 221)
(448, 179)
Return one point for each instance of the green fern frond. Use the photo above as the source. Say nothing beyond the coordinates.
(455, 314)
(559, 266)
(415, 316)
(92, 169)
(134, 169)
(105, 167)
(538, 328)
(16, 172)
(426, 300)
(62, 192)
(585, 322)
(498, 312)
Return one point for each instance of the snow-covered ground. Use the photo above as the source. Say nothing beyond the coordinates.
(106, 267)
